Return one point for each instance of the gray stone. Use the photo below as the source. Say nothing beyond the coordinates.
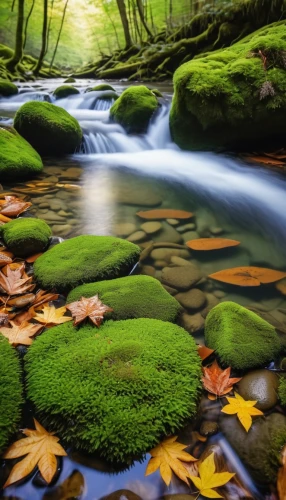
(167, 233)
(193, 323)
(182, 278)
(260, 386)
(192, 299)
(151, 227)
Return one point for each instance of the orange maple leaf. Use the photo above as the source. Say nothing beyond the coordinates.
(218, 381)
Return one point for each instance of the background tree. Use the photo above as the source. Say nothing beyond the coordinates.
(44, 38)
(18, 53)
(125, 24)
(27, 23)
(142, 17)
(59, 34)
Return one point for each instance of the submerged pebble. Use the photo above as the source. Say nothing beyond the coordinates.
(261, 386)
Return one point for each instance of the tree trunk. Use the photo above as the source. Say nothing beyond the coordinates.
(44, 38)
(125, 24)
(141, 15)
(171, 13)
(13, 5)
(105, 6)
(49, 26)
(18, 53)
(59, 34)
(137, 30)
(27, 22)
(130, 20)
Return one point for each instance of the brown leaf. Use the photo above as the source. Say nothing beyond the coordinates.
(22, 301)
(33, 258)
(204, 352)
(14, 206)
(3, 319)
(40, 448)
(91, 308)
(268, 159)
(13, 282)
(248, 276)
(5, 258)
(281, 479)
(20, 334)
(42, 297)
(165, 213)
(52, 316)
(4, 219)
(205, 244)
(218, 381)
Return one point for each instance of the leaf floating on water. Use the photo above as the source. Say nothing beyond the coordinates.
(20, 334)
(218, 381)
(281, 479)
(91, 308)
(209, 479)
(248, 276)
(51, 316)
(71, 488)
(204, 352)
(164, 213)
(244, 410)
(206, 244)
(41, 448)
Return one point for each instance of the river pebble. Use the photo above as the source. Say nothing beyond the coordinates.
(192, 299)
(151, 227)
(148, 271)
(261, 386)
(178, 261)
(182, 278)
(216, 231)
(208, 428)
(187, 227)
(193, 323)
(212, 301)
(167, 233)
(168, 253)
(124, 228)
(137, 237)
(173, 222)
(190, 235)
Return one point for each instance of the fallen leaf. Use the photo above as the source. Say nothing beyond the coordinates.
(91, 308)
(13, 282)
(22, 301)
(20, 334)
(14, 206)
(4, 219)
(244, 410)
(41, 448)
(281, 479)
(51, 316)
(165, 213)
(168, 456)
(204, 352)
(248, 276)
(5, 259)
(205, 244)
(71, 488)
(218, 381)
(42, 297)
(209, 479)
(33, 258)
(264, 160)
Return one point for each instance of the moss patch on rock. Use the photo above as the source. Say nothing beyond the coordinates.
(26, 236)
(117, 390)
(51, 130)
(102, 86)
(241, 339)
(70, 79)
(134, 109)
(65, 91)
(17, 157)
(131, 297)
(7, 88)
(282, 391)
(85, 259)
(10, 390)
(229, 97)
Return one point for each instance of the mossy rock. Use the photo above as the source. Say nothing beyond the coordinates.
(240, 338)
(17, 157)
(70, 79)
(282, 391)
(226, 98)
(134, 109)
(85, 259)
(131, 297)
(117, 390)
(51, 130)
(65, 91)
(7, 88)
(26, 236)
(6, 52)
(10, 390)
(102, 86)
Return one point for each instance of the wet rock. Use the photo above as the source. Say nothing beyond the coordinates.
(45, 204)
(167, 233)
(179, 261)
(171, 291)
(63, 195)
(137, 236)
(151, 227)
(168, 253)
(57, 205)
(160, 264)
(219, 294)
(61, 229)
(190, 235)
(212, 301)
(173, 222)
(52, 179)
(146, 252)
(144, 197)
(193, 323)
(260, 386)
(216, 231)
(71, 173)
(182, 278)
(124, 228)
(53, 217)
(208, 428)
(187, 227)
(148, 271)
(193, 299)
(122, 495)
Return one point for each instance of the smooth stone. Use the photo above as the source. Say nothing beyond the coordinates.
(137, 236)
(53, 170)
(187, 227)
(148, 271)
(173, 222)
(182, 278)
(52, 178)
(168, 253)
(72, 173)
(39, 200)
(52, 216)
(193, 299)
(42, 211)
(63, 213)
(167, 244)
(212, 301)
(190, 235)
(122, 495)
(208, 428)
(160, 264)
(45, 204)
(61, 229)
(151, 227)
(124, 228)
(260, 386)
(57, 205)
(178, 261)
(167, 233)
(219, 294)
(63, 195)
(146, 252)
(193, 323)
(143, 197)
(216, 231)
(170, 290)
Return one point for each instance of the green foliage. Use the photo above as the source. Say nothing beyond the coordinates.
(117, 390)
(85, 259)
(26, 236)
(241, 339)
(65, 91)
(51, 130)
(278, 441)
(131, 297)
(282, 391)
(10, 390)
(7, 88)
(17, 158)
(134, 109)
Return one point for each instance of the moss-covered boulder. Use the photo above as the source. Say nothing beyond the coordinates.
(117, 390)
(7, 88)
(241, 339)
(26, 236)
(70, 79)
(17, 157)
(65, 91)
(85, 259)
(282, 391)
(51, 130)
(134, 109)
(99, 88)
(235, 96)
(10, 390)
(131, 297)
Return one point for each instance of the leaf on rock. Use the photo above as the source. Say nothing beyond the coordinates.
(91, 308)
(20, 334)
(248, 276)
(164, 213)
(40, 448)
(218, 381)
(281, 479)
(13, 206)
(33, 258)
(51, 316)
(42, 297)
(204, 352)
(13, 282)
(205, 244)
(244, 410)
(209, 479)
(168, 456)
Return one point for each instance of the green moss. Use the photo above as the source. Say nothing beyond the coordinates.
(17, 158)
(26, 236)
(134, 109)
(65, 91)
(117, 390)
(156, 92)
(10, 390)
(132, 297)
(85, 259)
(282, 391)
(70, 79)
(278, 441)
(7, 88)
(221, 98)
(6, 52)
(102, 86)
(241, 339)
(51, 130)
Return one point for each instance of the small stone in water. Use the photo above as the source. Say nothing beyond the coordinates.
(216, 231)
(193, 299)
(124, 228)
(159, 264)
(219, 294)
(190, 235)
(193, 323)
(148, 271)
(137, 236)
(260, 386)
(173, 222)
(151, 227)
(208, 428)
(168, 253)
(187, 227)
(182, 278)
(178, 261)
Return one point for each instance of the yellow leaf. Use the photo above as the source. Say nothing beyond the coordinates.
(52, 316)
(244, 410)
(20, 334)
(168, 456)
(210, 479)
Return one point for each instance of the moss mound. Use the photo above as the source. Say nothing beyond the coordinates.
(26, 236)
(132, 297)
(6, 52)
(229, 97)
(134, 109)
(7, 88)
(282, 391)
(102, 86)
(65, 91)
(241, 339)
(17, 157)
(50, 129)
(85, 259)
(10, 390)
(117, 390)
(70, 79)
